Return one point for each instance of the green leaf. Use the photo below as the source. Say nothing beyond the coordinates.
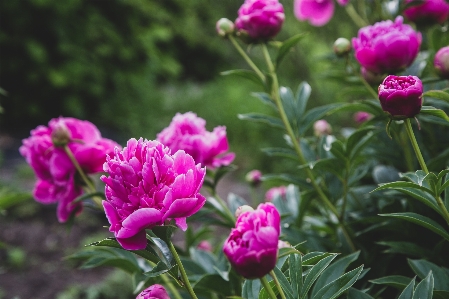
(422, 268)
(280, 152)
(286, 178)
(251, 289)
(358, 140)
(428, 110)
(407, 248)
(286, 46)
(295, 269)
(221, 171)
(257, 117)
(159, 269)
(235, 201)
(407, 293)
(396, 281)
(420, 220)
(314, 257)
(314, 273)
(446, 193)
(214, 283)
(285, 285)
(309, 118)
(334, 271)
(338, 286)
(356, 294)
(424, 289)
(289, 104)
(247, 74)
(437, 94)
(265, 98)
(302, 97)
(10, 198)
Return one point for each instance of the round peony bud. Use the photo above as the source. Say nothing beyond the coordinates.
(428, 12)
(254, 177)
(321, 128)
(242, 209)
(401, 96)
(342, 46)
(361, 117)
(204, 245)
(156, 291)
(260, 19)
(272, 193)
(60, 136)
(441, 62)
(224, 27)
(386, 47)
(252, 245)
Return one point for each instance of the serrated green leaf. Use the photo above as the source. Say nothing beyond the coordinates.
(314, 273)
(428, 110)
(420, 220)
(287, 45)
(407, 293)
(396, 281)
(422, 268)
(247, 74)
(437, 94)
(424, 289)
(257, 117)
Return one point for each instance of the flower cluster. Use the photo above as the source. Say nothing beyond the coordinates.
(147, 185)
(252, 245)
(188, 132)
(57, 180)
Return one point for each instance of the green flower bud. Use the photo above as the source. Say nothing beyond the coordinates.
(225, 27)
(342, 46)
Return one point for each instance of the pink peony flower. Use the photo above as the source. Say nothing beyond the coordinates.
(156, 291)
(147, 185)
(428, 12)
(205, 245)
(321, 128)
(361, 117)
(275, 191)
(187, 132)
(386, 46)
(401, 96)
(261, 19)
(441, 62)
(57, 178)
(317, 12)
(252, 245)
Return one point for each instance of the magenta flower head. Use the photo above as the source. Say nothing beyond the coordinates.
(441, 62)
(260, 19)
(317, 12)
(55, 172)
(156, 291)
(275, 191)
(401, 96)
(362, 116)
(428, 12)
(386, 46)
(252, 245)
(321, 128)
(147, 185)
(188, 132)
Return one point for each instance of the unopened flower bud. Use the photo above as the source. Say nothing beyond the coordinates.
(254, 177)
(156, 291)
(361, 117)
(283, 244)
(60, 136)
(342, 46)
(441, 62)
(242, 209)
(205, 245)
(224, 27)
(321, 128)
(401, 96)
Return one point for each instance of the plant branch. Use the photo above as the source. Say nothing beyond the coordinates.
(356, 18)
(246, 57)
(408, 127)
(267, 287)
(278, 285)
(185, 279)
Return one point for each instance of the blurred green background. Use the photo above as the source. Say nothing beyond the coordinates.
(129, 65)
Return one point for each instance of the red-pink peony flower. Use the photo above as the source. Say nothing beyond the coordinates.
(261, 19)
(386, 46)
(317, 12)
(147, 185)
(441, 62)
(188, 132)
(274, 192)
(57, 178)
(156, 291)
(427, 11)
(252, 245)
(401, 96)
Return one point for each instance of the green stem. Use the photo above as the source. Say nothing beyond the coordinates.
(345, 193)
(267, 287)
(86, 180)
(185, 279)
(356, 18)
(246, 57)
(408, 127)
(295, 141)
(369, 87)
(171, 287)
(407, 151)
(278, 285)
(224, 205)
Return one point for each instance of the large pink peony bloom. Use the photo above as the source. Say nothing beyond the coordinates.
(147, 185)
(317, 12)
(386, 46)
(428, 12)
(188, 132)
(156, 291)
(252, 246)
(56, 175)
(261, 19)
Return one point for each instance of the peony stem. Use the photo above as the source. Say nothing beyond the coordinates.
(408, 127)
(356, 18)
(278, 285)
(86, 180)
(246, 57)
(369, 88)
(185, 279)
(267, 287)
(171, 287)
